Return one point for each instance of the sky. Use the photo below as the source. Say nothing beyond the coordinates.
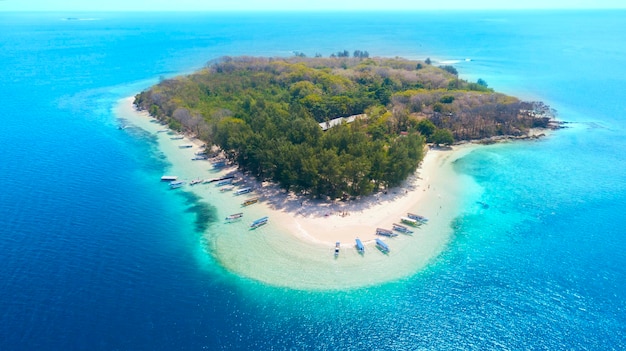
(299, 5)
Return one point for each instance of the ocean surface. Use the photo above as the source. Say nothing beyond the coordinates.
(94, 256)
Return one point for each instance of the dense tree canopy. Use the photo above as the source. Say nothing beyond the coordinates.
(265, 114)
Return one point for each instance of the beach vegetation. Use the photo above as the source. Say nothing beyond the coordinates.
(278, 118)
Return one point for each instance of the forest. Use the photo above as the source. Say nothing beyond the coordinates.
(267, 116)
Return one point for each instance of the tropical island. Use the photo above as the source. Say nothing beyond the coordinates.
(334, 127)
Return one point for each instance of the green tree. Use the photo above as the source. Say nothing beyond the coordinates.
(442, 137)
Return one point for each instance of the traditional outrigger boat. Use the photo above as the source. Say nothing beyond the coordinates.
(259, 222)
(178, 184)
(382, 246)
(417, 217)
(402, 229)
(337, 246)
(359, 246)
(234, 217)
(385, 232)
(409, 221)
(243, 191)
(251, 201)
(168, 178)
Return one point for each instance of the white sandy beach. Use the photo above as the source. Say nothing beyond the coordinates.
(296, 246)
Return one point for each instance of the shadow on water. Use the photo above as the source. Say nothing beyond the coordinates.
(205, 213)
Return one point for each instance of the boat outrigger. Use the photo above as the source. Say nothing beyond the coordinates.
(251, 201)
(402, 229)
(359, 246)
(259, 222)
(409, 221)
(196, 181)
(234, 217)
(385, 232)
(178, 184)
(243, 191)
(168, 178)
(382, 246)
(417, 217)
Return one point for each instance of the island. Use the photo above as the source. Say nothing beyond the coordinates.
(339, 156)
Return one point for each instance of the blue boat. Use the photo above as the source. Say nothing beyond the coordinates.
(382, 246)
(402, 229)
(259, 222)
(178, 184)
(417, 217)
(359, 246)
(385, 232)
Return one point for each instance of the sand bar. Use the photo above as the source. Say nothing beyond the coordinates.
(295, 249)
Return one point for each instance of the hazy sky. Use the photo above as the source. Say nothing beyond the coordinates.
(273, 5)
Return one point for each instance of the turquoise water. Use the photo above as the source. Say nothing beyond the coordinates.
(95, 256)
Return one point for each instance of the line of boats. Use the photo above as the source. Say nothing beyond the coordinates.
(410, 219)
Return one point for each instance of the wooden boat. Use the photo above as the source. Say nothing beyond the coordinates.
(417, 217)
(385, 232)
(259, 222)
(359, 246)
(251, 201)
(234, 217)
(337, 246)
(382, 246)
(402, 229)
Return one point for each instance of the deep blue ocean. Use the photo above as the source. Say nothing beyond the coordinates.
(94, 256)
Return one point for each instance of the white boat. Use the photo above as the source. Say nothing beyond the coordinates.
(177, 184)
(185, 146)
(168, 178)
(409, 221)
(337, 246)
(178, 137)
(243, 191)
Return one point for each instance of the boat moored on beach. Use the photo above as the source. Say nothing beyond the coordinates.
(259, 222)
(243, 191)
(385, 232)
(196, 181)
(359, 246)
(337, 246)
(417, 217)
(234, 217)
(168, 178)
(402, 229)
(177, 184)
(185, 146)
(251, 201)
(382, 246)
(410, 221)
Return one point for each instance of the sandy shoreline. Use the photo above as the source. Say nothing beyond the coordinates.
(435, 191)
